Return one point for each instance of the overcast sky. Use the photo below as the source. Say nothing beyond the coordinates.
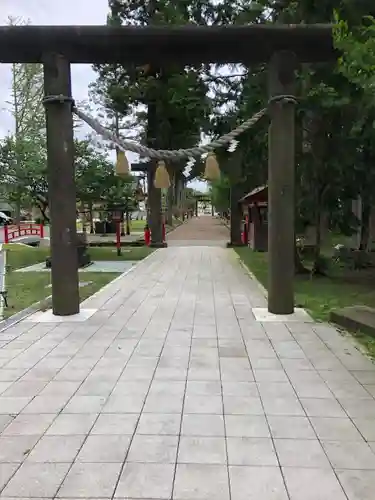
(53, 12)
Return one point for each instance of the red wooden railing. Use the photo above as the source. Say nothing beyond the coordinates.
(24, 229)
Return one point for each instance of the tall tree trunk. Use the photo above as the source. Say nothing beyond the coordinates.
(365, 225)
(91, 216)
(17, 212)
(318, 241)
(298, 264)
(43, 210)
(127, 218)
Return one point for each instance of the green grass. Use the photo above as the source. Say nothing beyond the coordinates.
(319, 295)
(137, 225)
(23, 255)
(24, 289)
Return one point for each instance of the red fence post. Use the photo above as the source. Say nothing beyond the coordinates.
(118, 238)
(6, 236)
(147, 235)
(41, 230)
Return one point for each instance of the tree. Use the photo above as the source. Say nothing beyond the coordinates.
(121, 192)
(335, 130)
(176, 98)
(92, 170)
(29, 136)
(357, 64)
(23, 173)
(96, 182)
(220, 194)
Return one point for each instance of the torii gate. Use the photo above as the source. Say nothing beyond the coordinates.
(57, 47)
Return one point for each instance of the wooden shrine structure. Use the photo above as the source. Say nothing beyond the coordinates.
(255, 210)
(57, 47)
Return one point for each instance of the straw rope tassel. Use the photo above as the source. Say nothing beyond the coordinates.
(162, 180)
(212, 170)
(122, 165)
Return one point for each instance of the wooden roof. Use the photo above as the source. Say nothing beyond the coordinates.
(164, 44)
(257, 195)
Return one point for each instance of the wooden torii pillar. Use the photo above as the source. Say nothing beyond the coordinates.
(281, 171)
(61, 185)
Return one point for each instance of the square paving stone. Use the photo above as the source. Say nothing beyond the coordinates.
(299, 316)
(178, 374)
(322, 408)
(246, 426)
(25, 389)
(270, 375)
(5, 421)
(29, 425)
(300, 453)
(249, 389)
(366, 427)
(312, 484)
(210, 388)
(335, 429)
(144, 481)
(202, 450)
(357, 484)
(36, 480)
(156, 449)
(16, 448)
(13, 405)
(159, 424)
(93, 387)
(57, 388)
(202, 425)
(349, 455)
(57, 449)
(287, 405)
(69, 424)
(6, 472)
(203, 404)
(90, 481)
(259, 363)
(358, 408)
(364, 376)
(251, 451)
(312, 390)
(163, 403)
(276, 389)
(204, 482)
(242, 405)
(202, 374)
(85, 404)
(116, 424)
(348, 390)
(257, 483)
(104, 449)
(46, 404)
(290, 427)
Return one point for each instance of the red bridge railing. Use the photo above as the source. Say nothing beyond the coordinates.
(24, 229)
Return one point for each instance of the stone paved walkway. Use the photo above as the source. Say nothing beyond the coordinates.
(173, 390)
(204, 230)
